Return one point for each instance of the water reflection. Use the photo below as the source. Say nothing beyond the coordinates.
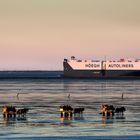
(44, 97)
(80, 117)
(69, 120)
(107, 120)
(65, 121)
(8, 122)
(120, 117)
(21, 119)
(112, 119)
(13, 121)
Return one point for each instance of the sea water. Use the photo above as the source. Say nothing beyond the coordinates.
(44, 96)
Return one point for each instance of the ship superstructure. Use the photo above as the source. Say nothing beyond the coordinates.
(122, 68)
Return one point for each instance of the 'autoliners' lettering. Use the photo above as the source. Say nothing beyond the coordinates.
(121, 65)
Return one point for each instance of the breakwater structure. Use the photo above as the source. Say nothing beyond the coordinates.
(66, 111)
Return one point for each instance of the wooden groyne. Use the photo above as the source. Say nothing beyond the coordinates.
(66, 111)
(12, 112)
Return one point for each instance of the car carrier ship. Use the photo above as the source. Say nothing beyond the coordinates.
(123, 68)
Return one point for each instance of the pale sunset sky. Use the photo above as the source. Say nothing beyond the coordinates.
(39, 34)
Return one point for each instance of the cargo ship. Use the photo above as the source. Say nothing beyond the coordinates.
(123, 68)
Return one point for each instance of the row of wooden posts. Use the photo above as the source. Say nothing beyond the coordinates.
(12, 112)
(66, 111)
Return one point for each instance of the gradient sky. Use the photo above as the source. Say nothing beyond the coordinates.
(38, 34)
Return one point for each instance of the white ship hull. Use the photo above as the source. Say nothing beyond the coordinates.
(101, 69)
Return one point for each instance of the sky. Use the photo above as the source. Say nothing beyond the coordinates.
(39, 34)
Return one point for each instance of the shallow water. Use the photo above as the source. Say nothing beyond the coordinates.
(44, 96)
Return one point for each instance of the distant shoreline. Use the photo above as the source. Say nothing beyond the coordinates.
(31, 74)
(50, 74)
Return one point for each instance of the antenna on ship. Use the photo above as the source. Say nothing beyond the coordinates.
(105, 58)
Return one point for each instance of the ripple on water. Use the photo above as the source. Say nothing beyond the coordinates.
(43, 98)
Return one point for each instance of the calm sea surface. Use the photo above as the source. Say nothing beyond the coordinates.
(44, 96)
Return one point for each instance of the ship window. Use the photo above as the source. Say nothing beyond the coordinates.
(95, 61)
